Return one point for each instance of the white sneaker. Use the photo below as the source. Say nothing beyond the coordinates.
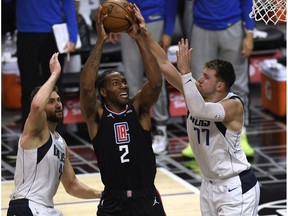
(160, 142)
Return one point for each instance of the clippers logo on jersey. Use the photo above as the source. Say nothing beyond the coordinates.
(121, 130)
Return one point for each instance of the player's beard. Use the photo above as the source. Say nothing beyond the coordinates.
(55, 117)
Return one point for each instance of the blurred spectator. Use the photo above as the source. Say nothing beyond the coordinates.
(8, 16)
(36, 42)
(84, 33)
(74, 63)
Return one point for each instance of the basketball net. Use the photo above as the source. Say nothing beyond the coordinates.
(269, 11)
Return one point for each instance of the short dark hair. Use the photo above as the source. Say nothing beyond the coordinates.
(101, 80)
(224, 71)
(36, 89)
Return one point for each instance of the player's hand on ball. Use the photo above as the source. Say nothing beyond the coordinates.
(134, 31)
(139, 18)
(99, 24)
(138, 23)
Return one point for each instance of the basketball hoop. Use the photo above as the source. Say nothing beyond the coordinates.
(269, 11)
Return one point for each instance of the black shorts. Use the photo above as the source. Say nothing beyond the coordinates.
(19, 207)
(131, 203)
(25, 207)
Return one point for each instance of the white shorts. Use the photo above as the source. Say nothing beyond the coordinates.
(237, 196)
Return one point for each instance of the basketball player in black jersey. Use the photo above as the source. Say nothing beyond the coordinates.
(120, 131)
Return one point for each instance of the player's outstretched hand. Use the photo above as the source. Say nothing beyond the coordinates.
(140, 18)
(138, 23)
(101, 33)
(183, 56)
(54, 64)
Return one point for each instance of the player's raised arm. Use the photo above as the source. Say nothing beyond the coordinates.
(170, 73)
(36, 123)
(88, 101)
(151, 89)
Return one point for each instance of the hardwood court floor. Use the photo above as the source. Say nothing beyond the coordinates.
(179, 197)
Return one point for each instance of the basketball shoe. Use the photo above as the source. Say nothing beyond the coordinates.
(248, 150)
(160, 140)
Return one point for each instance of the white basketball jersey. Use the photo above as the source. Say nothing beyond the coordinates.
(217, 150)
(38, 171)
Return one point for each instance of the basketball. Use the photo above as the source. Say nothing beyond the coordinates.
(116, 20)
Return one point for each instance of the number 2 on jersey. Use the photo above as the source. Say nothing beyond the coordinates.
(125, 153)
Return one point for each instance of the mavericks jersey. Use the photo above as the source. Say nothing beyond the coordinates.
(38, 171)
(124, 151)
(217, 150)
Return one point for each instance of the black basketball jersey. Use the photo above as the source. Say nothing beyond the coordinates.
(124, 151)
